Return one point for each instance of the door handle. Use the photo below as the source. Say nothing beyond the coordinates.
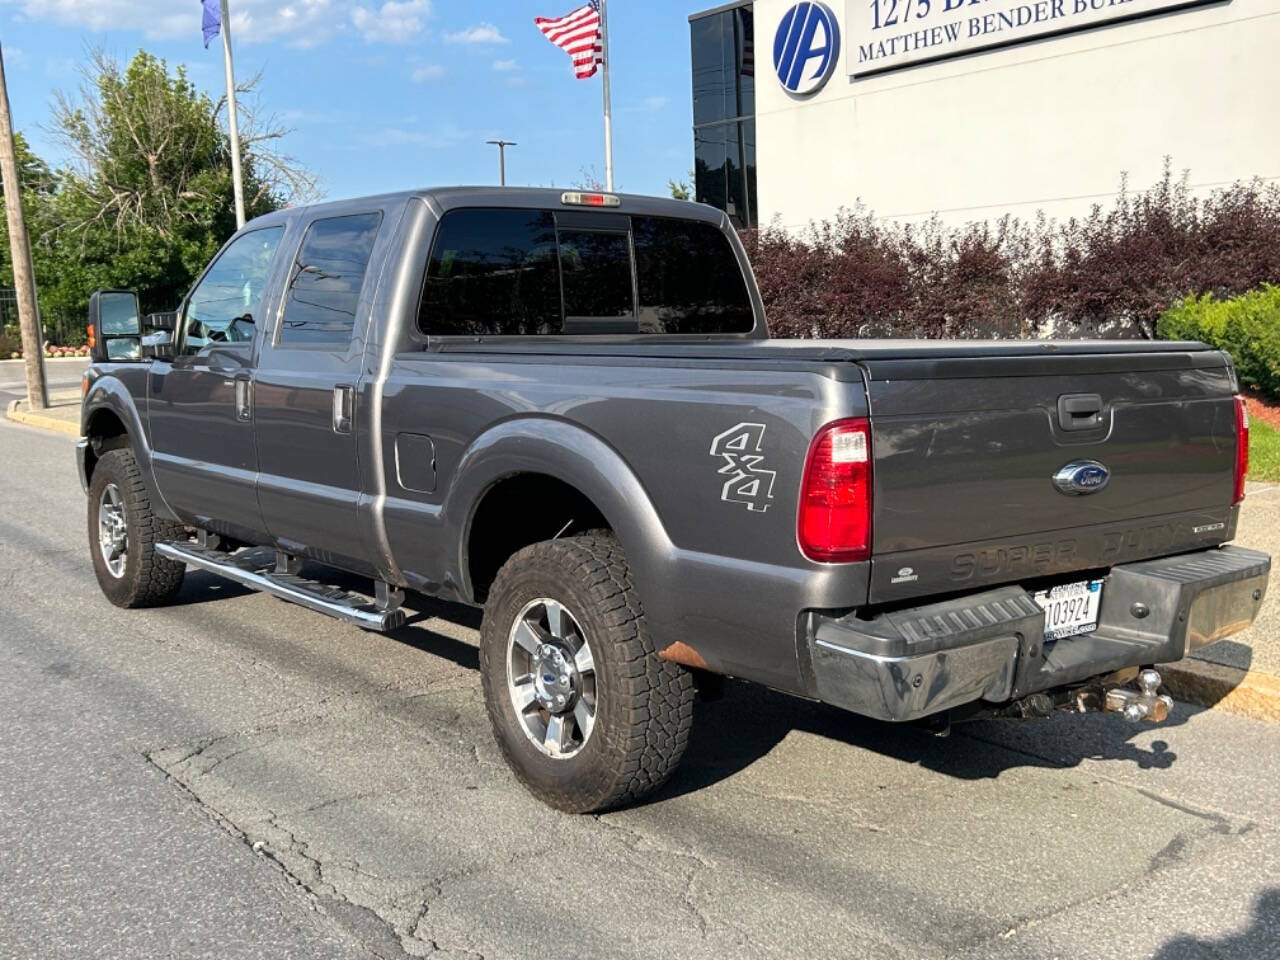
(344, 407)
(1081, 411)
(244, 398)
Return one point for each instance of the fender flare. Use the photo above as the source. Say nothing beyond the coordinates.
(572, 455)
(110, 395)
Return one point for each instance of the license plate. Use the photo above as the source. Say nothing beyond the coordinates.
(1070, 609)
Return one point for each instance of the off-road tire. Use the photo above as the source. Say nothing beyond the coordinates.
(644, 705)
(149, 580)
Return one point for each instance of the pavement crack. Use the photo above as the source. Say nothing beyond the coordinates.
(1222, 823)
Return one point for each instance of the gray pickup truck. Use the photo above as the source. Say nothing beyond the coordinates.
(566, 408)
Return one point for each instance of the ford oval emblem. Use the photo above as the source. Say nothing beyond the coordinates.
(1081, 477)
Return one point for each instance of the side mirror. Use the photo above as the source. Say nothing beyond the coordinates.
(163, 321)
(158, 345)
(115, 326)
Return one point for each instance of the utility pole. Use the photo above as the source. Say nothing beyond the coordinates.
(233, 118)
(20, 251)
(502, 157)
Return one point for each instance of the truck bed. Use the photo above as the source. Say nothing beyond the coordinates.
(968, 435)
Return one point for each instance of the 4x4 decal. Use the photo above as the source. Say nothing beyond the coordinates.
(742, 449)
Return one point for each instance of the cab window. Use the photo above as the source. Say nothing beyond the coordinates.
(327, 279)
(226, 305)
(509, 272)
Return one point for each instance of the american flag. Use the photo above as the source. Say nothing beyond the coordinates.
(578, 35)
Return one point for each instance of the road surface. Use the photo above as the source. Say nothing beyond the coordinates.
(234, 777)
(61, 376)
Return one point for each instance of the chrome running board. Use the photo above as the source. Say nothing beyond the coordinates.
(255, 569)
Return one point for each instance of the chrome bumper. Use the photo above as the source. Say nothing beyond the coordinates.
(990, 646)
(82, 464)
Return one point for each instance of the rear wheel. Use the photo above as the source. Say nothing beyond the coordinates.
(585, 713)
(123, 532)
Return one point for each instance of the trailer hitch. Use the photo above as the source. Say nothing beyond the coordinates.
(1144, 703)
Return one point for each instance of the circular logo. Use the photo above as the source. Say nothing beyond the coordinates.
(806, 48)
(1082, 477)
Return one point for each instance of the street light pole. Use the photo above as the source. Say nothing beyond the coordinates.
(502, 157)
(20, 250)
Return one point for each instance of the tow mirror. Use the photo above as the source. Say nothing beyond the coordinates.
(158, 345)
(115, 326)
(159, 336)
(163, 321)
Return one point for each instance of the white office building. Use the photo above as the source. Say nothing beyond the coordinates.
(971, 109)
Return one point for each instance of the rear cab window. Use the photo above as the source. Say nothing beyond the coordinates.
(327, 279)
(519, 272)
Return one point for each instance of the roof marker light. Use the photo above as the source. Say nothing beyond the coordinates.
(574, 198)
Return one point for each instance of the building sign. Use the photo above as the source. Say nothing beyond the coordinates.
(895, 33)
(806, 48)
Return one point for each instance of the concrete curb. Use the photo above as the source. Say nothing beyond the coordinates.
(41, 421)
(1248, 693)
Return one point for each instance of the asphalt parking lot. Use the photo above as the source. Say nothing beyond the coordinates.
(233, 777)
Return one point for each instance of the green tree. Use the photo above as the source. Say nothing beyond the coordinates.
(681, 189)
(147, 198)
(37, 187)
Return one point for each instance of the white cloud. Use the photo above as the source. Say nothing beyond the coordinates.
(300, 23)
(481, 33)
(297, 23)
(396, 21)
(156, 18)
(443, 137)
(427, 72)
(505, 66)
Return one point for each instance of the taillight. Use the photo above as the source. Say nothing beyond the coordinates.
(835, 497)
(1242, 447)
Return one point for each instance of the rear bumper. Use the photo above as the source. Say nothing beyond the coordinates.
(990, 646)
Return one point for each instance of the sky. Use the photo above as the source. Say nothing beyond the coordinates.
(399, 94)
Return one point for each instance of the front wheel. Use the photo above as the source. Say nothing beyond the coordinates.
(123, 532)
(585, 713)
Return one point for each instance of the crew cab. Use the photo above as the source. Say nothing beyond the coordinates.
(566, 408)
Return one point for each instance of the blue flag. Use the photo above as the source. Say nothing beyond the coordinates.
(212, 20)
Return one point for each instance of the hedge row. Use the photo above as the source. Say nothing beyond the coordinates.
(1247, 327)
(1112, 273)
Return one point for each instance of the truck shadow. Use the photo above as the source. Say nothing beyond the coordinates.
(749, 721)
(745, 725)
(201, 587)
(1260, 939)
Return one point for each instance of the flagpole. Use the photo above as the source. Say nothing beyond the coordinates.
(233, 119)
(608, 102)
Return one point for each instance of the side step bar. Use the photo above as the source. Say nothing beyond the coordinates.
(255, 569)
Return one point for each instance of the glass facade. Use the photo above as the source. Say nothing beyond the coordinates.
(724, 111)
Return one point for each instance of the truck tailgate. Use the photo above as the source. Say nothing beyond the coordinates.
(966, 450)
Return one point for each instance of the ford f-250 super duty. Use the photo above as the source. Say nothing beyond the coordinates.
(565, 407)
